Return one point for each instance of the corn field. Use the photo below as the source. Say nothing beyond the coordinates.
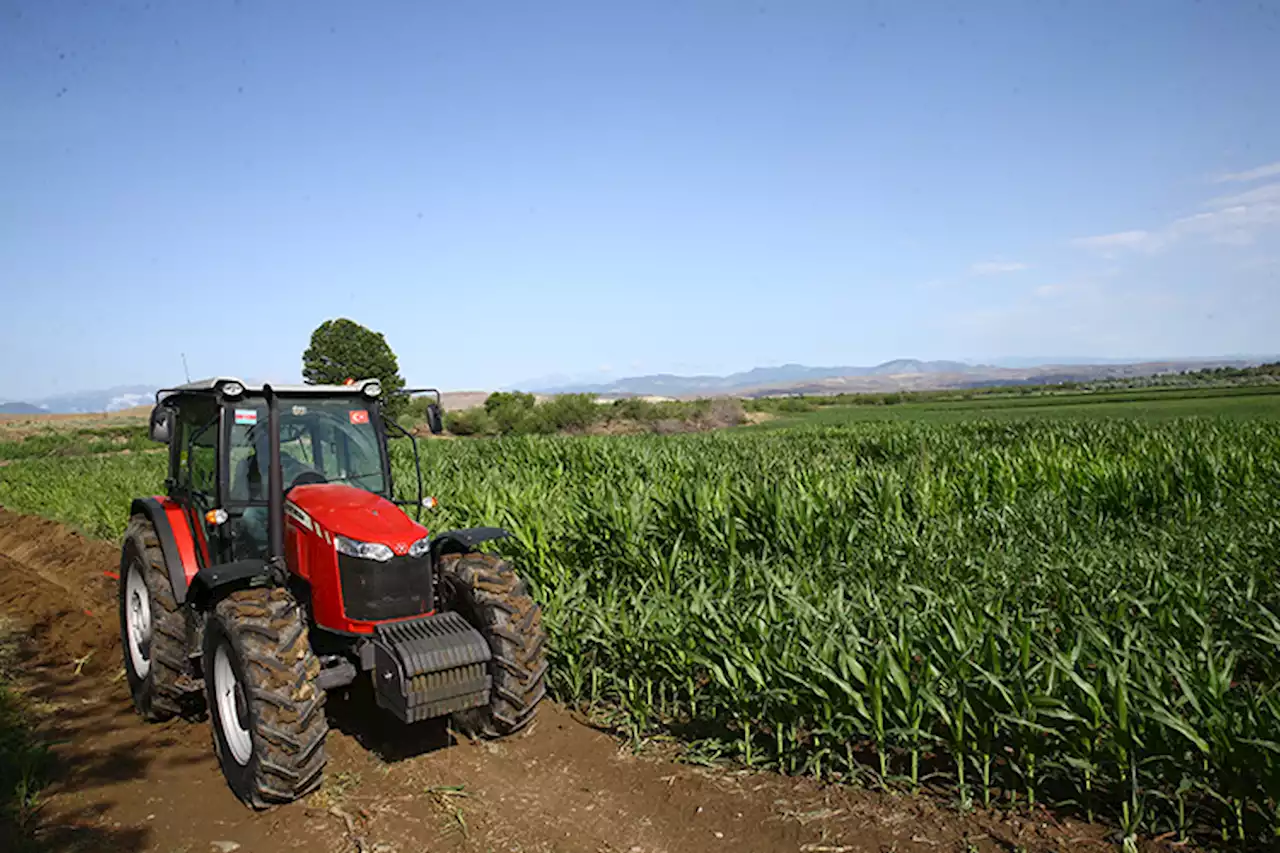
(1078, 614)
(1082, 614)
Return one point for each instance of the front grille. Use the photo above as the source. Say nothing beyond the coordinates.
(373, 591)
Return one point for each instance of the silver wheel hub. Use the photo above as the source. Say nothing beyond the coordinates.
(137, 602)
(233, 706)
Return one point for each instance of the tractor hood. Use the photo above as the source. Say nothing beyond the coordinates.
(356, 514)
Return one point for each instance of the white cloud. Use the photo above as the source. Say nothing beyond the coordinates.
(1118, 240)
(127, 401)
(1270, 170)
(1081, 287)
(996, 267)
(1232, 220)
(1265, 194)
(1237, 225)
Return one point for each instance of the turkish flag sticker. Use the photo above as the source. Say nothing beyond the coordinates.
(360, 416)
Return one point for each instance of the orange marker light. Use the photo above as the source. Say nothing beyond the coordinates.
(215, 517)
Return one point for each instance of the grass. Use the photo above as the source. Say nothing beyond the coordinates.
(1075, 610)
(92, 494)
(80, 441)
(1151, 405)
(24, 759)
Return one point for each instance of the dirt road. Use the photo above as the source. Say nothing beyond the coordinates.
(122, 785)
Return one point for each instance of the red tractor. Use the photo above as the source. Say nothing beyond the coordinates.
(280, 565)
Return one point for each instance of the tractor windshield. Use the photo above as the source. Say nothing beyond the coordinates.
(321, 441)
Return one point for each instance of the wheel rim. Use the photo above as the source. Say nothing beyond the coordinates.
(138, 621)
(233, 710)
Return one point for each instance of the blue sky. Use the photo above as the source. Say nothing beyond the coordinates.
(514, 189)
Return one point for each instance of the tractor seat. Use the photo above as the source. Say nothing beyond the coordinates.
(248, 484)
(250, 480)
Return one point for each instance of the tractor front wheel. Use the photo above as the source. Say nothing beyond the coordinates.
(485, 590)
(267, 712)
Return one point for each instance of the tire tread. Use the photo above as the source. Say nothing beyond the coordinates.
(487, 591)
(279, 671)
(160, 696)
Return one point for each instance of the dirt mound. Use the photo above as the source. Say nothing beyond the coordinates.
(55, 581)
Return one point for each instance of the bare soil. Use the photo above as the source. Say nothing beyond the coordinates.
(123, 785)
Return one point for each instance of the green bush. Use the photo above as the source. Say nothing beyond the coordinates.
(511, 413)
(516, 413)
(570, 412)
(645, 411)
(509, 399)
(415, 411)
(796, 405)
(469, 422)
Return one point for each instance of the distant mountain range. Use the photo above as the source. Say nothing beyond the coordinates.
(21, 409)
(759, 377)
(83, 402)
(899, 374)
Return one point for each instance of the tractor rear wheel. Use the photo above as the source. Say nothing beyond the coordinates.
(267, 712)
(152, 631)
(485, 590)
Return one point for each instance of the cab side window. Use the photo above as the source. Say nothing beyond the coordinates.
(197, 434)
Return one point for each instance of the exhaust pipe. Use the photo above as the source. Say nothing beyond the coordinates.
(275, 481)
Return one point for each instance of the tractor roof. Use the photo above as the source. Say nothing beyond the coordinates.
(217, 383)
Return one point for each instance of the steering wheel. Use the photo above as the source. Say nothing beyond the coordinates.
(307, 478)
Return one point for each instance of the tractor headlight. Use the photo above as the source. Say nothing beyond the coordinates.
(364, 550)
(372, 389)
(421, 547)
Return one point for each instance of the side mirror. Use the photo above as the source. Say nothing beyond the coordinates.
(161, 421)
(435, 419)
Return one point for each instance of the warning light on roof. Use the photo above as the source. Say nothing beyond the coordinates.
(349, 381)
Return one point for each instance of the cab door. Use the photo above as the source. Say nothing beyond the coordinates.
(195, 481)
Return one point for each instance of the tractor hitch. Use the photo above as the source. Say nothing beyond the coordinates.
(429, 667)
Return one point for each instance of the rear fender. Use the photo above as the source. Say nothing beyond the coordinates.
(464, 540)
(176, 541)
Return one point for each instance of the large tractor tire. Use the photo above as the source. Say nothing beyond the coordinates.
(152, 631)
(487, 593)
(266, 710)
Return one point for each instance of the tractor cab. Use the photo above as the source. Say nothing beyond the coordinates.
(220, 437)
